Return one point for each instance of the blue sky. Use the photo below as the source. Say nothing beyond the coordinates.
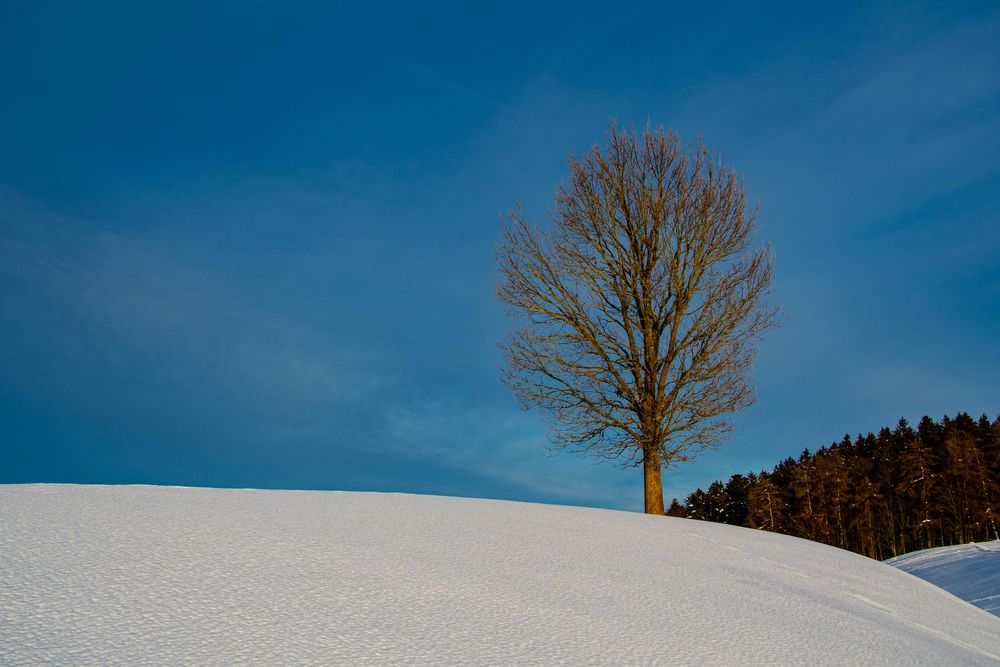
(250, 244)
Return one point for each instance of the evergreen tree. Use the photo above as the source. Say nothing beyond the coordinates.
(879, 495)
(766, 509)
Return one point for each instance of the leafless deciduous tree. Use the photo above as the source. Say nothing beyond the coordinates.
(637, 313)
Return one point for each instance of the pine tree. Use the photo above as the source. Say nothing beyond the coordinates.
(879, 495)
(918, 486)
(766, 505)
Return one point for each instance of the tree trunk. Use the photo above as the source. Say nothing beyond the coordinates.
(652, 479)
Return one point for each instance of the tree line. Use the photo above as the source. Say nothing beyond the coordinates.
(880, 495)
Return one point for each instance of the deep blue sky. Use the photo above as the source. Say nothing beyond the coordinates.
(248, 245)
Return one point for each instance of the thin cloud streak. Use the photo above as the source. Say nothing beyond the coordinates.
(144, 330)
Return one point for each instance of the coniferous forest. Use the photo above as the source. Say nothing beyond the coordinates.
(881, 495)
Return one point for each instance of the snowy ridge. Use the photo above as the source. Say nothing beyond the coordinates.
(969, 571)
(166, 575)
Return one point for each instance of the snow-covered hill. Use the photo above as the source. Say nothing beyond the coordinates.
(127, 575)
(970, 571)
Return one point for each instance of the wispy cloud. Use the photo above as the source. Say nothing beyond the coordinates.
(504, 446)
(144, 329)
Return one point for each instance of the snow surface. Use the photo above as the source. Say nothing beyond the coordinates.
(167, 575)
(970, 571)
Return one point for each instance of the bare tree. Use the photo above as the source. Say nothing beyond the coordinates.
(637, 313)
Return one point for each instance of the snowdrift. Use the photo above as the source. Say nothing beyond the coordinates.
(129, 574)
(969, 571)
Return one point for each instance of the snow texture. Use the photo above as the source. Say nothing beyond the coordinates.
(166, 575)
(969, 571)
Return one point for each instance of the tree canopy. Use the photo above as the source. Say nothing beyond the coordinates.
(880, 495)
(637, 312)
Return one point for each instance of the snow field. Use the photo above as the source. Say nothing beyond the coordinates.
(968, 571)
(167, 575)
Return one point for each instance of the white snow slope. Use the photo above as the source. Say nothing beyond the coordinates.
(167, 575)
(970, 571)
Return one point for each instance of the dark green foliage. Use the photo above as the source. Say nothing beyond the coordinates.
(879, 495)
